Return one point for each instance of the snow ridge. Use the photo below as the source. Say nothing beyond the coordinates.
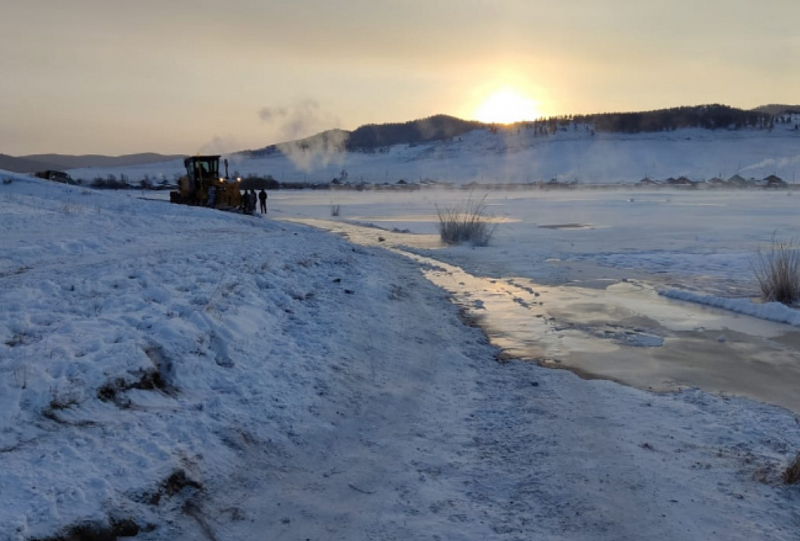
(771, 311)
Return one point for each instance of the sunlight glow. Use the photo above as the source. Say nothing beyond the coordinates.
(506, 106)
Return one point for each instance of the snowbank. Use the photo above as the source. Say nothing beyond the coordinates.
(771, 311)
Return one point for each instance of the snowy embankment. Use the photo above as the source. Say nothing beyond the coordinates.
(188, 374)
(145, 345)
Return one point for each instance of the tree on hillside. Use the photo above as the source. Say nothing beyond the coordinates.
(710, 117)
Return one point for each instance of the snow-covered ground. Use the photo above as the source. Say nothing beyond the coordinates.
(520, 156)
(191, 374)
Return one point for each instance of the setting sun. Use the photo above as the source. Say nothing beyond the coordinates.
(506, 106)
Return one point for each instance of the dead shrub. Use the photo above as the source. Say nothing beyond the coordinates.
(63, 399)
(777, 270)
(791, 475)
(466, 223)
(99, 531)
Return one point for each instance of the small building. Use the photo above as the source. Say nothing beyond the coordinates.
(737, 180)
(680, 181)
(774, 181)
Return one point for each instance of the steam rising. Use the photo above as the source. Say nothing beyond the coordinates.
(304, 119)
(299, 120)
(778, 163)
(220, 144)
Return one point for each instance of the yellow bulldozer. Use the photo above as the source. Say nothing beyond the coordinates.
(202, 185)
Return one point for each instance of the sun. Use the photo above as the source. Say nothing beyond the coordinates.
(506, 106)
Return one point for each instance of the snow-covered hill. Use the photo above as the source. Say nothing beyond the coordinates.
(520, 155)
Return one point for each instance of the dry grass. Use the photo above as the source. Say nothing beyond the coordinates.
(466, 223)
(777, 270)
(792, 474)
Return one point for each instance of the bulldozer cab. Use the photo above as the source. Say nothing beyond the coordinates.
(202, 171)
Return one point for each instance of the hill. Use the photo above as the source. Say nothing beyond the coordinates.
(425, 130)
(778, 109)
(60, 162)
(710, 117)
(23, 165)
(369, 137)
(333, 140)
(67, 161)
(699, 142)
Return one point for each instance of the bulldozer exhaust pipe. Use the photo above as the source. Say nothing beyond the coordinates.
(225, 161)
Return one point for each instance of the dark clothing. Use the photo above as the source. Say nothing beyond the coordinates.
(262, 197)
(248, 202)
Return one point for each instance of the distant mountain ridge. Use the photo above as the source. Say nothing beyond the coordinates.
(65, 161)
(434, 128)
(22, 165)
(710, 142)
(370, 137)
(711, 117)
(41, 162)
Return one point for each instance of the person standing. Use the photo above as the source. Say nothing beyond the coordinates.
(262, 197)
(252, 199)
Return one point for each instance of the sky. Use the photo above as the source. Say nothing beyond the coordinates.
(117, 77)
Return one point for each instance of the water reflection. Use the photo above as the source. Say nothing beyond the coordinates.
(618, 330)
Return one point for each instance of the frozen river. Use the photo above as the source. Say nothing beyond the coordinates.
(572, 279)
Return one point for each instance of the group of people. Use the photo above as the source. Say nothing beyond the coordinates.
(249, 199)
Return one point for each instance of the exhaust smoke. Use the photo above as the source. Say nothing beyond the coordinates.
(304, 119)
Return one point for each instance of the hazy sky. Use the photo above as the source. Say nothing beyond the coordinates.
(117, 77)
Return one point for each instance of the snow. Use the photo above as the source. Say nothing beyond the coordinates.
(520, 156)
(771, 311)
(212, 375)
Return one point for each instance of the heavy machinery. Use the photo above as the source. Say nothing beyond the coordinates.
(203, 185)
